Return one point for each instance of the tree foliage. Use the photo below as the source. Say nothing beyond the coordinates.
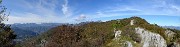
(6, 34)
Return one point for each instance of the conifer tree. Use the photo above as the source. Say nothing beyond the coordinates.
(6, 34)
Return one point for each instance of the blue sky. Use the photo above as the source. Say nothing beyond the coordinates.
(161, 12)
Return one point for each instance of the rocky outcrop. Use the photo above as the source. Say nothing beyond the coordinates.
(128, 44)
(118, 41)
(149, 39)
(170, 34)
(132, 22)
(117, 33)
(174, 44)
(43, 43)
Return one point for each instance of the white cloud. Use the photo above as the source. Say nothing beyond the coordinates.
(82, 17)
(65, 8)
(151, 7)
(176, 9)
(99, 13)
(29, 18)
(45, 11)
(122, 8)
(35, 18)
(41, 11)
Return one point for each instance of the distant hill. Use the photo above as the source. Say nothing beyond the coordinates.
(127, 32)
(172, 27)
(28, 30)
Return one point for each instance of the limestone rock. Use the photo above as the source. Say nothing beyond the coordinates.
(117, 34)
(149, 39)
(132, 22)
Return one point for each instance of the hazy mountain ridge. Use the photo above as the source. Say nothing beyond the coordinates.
(127, 32)
(29, 30)
(172, 27)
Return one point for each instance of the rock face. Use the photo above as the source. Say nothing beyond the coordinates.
(117, 33)
(176, 44)
(117, 38)
(132, 22)
(169, 34)
(129, 44)
(149, 39)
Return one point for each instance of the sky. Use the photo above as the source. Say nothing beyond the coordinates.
(161, 12)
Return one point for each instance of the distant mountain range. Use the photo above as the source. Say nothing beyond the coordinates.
(172, 27)
(31, 29)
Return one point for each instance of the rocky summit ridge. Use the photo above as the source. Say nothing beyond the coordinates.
(127, 32)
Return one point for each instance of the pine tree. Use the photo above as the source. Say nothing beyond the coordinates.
(6, 34)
